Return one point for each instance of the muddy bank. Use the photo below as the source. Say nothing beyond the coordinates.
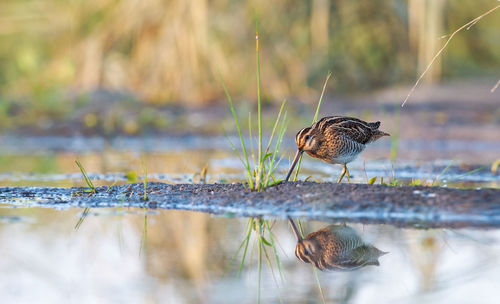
(421, 207)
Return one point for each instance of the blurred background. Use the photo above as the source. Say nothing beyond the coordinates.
(91, 61)
(124, 86)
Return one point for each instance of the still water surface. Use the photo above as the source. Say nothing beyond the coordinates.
(185, 257)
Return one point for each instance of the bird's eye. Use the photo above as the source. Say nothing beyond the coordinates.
(307, 137)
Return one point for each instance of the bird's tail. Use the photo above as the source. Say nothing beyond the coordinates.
(374, 125)
(377, 134)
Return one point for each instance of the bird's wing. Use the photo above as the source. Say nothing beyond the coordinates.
(355, 129)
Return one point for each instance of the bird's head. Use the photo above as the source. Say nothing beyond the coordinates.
(307, 139)
(306, 250)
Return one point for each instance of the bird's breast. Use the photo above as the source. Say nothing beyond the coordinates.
(345, 158)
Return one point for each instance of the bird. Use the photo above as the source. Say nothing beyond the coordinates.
(335, 248)
(336, 140)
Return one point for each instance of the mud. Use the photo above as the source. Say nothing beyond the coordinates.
(415, 207)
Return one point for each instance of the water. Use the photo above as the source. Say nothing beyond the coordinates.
(185, 257)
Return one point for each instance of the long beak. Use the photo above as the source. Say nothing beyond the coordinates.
(295, 230)
(297, 156)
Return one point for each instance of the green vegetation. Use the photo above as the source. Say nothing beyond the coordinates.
(145, 179)
(391, 180)
(144, 236)
(91, 190)
(494, 166)
(371, 43)
(315, 118)
(260, 173)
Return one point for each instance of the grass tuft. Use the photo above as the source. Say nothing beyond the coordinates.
(259, 172)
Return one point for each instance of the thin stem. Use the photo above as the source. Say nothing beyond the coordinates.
(243, 147)
(145, 169)
(259, 266)
(252, 151)
(82, 217)
(465, 26)
(278, 263)
(319, 285)
(314, 119)
(247, 240)
(259, 111)
(144, 234)
(321, 97)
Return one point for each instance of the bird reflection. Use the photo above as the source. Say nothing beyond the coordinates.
(335, 247)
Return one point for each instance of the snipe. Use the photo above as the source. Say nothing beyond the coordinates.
(336, 140)
(336, 247)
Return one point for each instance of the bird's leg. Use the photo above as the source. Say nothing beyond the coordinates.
(344, 171)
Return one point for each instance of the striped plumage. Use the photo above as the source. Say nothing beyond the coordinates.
(336, 140)
(336, 247)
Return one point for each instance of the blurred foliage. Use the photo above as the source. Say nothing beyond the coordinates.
(170, 51)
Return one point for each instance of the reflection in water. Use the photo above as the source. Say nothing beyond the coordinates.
(187, 259)
(335, 247)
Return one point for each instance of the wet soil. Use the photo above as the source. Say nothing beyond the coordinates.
(415, 207)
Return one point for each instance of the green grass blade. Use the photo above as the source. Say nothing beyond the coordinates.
(258, 179)
(315, 271)
(252, 151)
(144, 235)
(321, 96)
(274, 170)
(269, 263)
(259, 266)
(235, 150)
(319, 285)
(145, 170)
(442, 172)
(275, 251)
(239, 248)
(86, 176)
(92, 188)
(276, 148)
(82, 218)
(469, 173)
(248, 171)
(314, 118)
(247, 238)
(243, 147)
(111, 186)
(275, 126)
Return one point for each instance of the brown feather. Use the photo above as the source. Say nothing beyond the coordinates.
(336, 140)
(337, 247)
